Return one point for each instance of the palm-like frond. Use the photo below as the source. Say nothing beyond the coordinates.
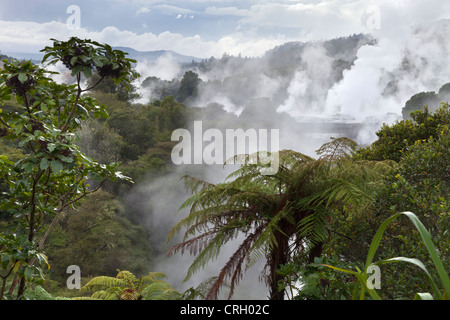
(271, 211)
(160, 290)
(313, 226)
(104, 282)
(126, 286)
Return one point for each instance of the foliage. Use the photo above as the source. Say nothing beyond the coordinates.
(125, 286)
(54, 173)
(362, 275)
(98, 238)
(420, 184)
(120, 91)
(392, 140)
(316, 282)
(281, 215)
(426, 99)
(188, 87)
(39, 293)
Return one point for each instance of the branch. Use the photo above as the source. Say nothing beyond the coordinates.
(66, 125)
(94, 85)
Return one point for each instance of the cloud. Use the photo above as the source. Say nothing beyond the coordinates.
(254, 26)
(226, 11)
(143, 10)
(30, 37)
(169, 9)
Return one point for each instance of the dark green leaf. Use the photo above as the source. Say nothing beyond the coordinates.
(56, 166)
(22, 77)
(44, 164)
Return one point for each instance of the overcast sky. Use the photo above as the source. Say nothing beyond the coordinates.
(206, 28)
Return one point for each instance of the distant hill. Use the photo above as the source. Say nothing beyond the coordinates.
(149, 56)
(34, 57)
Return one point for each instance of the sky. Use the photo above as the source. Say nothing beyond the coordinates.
(203, 28)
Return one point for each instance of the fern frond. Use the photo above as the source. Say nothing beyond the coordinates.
(337, 148)
(209, 252)
(160, 290)
(233, 267)
(194, 184)
(110, 294)
(104, 282)
(153, 276)
(313, 227)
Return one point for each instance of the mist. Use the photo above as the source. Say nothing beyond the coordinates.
(365, 85)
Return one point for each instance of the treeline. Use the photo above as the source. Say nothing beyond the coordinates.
(240, 79)
(429, 99)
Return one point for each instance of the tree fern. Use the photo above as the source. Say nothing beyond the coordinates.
(126, 286)
(274, 213)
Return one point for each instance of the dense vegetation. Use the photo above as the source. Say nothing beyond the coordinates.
(70, 155)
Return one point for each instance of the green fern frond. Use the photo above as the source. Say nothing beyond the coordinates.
(337, 148)
(160, 290)
(110, 294)
(209, 252)
(153, 276)
(313, 227)
(104, 282)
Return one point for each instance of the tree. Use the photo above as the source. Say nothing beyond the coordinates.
(420, 184)
(188, 86)
(426, 99)
(418, 102)
(53, 174)
(282, 216)
(393, 139)
(107, 85)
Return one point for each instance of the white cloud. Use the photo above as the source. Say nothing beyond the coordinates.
(307, 20)
(31, 37)
(169, 9)
(226, 11)
(143, 10)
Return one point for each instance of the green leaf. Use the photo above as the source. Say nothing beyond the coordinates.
(98, 62)
(51, 147)
(87, 72)
(44, 164)
(28, 273)
(5, 258)
(423, 296)
(419, 264)
(66, 159)
(56, 166)
(73, 60)
(16, 267)
(431, 249)
(22, 77)
(76, 70)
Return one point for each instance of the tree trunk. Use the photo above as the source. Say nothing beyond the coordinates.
(279, 257)
(315, 251)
